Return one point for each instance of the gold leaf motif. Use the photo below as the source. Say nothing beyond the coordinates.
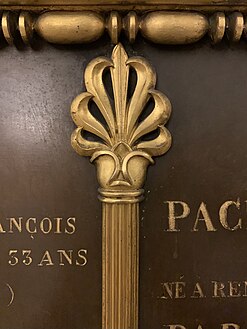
(120, 149)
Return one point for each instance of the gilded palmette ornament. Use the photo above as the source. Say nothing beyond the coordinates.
(121, 146)
(122, 154)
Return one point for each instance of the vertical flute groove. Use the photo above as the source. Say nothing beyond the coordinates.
(120, 266)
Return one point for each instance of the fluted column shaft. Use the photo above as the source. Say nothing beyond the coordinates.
(120, 265)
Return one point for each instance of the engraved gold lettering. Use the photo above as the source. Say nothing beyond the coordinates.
(14, 223)
(172, 217)
(65, 257)
(202, 211)
(58, 225)
(82, 255)
(1, 229)
(28, 259)
(234, 289)
(28, 228)
(13, 259)
(173, 290)
(48, 225)
(223, 213)
(46, 259)
(71, 225)
(198, 292)
(33, 225)
(64, 254)
(167, 290)
(179, 290)
(218, 289)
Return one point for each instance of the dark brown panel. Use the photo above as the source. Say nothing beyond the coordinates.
(41, 176)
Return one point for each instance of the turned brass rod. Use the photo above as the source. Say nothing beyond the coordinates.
(161, 27)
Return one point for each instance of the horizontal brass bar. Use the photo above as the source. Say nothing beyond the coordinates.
(161, 27)
(121, 2)
(120, 5)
